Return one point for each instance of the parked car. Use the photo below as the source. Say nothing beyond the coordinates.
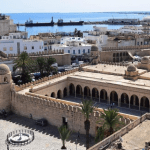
(42, 122)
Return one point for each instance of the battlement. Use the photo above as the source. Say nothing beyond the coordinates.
(40, 53)
(126, 48)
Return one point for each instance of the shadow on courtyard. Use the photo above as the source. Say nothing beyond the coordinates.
(48, 130)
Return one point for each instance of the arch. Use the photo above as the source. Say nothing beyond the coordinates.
(114, 97)
(124, 100)
(103, 95)
(87, 91)
(95, 93)
(134, 102)
(53, 94)
(78, 90)
(72, 89)
(59, 94)
(144, 103)
(65, 92)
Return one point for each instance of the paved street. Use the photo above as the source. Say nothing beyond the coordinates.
(46, 138)
(104, 105)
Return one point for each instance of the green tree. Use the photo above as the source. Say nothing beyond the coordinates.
(110, 119)
(24, 62)
(48, 65)
(40, 61)
(87, 109)
(99, 134)
(64, 134)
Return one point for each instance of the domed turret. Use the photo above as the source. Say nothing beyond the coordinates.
(94, 48)
(131, 68)
(4, 69)
(145, 60)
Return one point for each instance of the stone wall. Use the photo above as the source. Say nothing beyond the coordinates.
(53, 110)
(126, 48)
(49, 52)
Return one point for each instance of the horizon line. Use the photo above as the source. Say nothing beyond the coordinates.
(77, 12)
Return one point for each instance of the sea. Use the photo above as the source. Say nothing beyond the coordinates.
(21, 18)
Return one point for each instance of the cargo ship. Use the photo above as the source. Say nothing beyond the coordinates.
(61, 23)
(31, 24)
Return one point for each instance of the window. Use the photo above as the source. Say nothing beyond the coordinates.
(4, 49)
(68, 51)
(25, 47)
(32, 47)
(74, 52)
(88, 50)
(137, 43)
(11, 48)
(83, 51)
(79, 51)
(45, 48)
(39, 47)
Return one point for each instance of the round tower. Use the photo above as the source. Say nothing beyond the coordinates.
(5, 87)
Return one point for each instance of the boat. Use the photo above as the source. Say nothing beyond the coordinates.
(61, 23)
(29, 23)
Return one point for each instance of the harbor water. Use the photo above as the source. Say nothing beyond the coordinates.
(21, 18)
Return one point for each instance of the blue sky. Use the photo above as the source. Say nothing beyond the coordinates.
(20, 6)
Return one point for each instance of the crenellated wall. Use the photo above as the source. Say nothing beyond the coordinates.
(53, 110)
(126, 47)
(50, 52)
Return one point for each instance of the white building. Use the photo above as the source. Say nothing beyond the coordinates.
(98, 40)
(6, 25)
(131, 29)
(15, 43)
(73, 45)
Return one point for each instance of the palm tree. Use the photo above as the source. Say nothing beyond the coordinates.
(40, 61)
(23, 61)
(48, 65)
(64, 134)
(87, 109)
(110, 119)
(100, 134)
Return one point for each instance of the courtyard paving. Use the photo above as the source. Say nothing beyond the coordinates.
(46, 138)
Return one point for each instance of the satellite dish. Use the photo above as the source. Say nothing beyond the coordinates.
(121, 140)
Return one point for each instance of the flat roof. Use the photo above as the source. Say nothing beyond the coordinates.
(111, 79)
(136, 138)
(112, 69)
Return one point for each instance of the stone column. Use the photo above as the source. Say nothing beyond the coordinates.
(75, 92)
(83, 94)
(108, 100)
(139, 105)
(99, 97)
(119, 102)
